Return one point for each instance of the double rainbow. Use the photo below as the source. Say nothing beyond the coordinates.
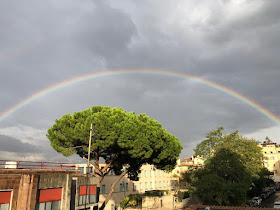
(196, 79)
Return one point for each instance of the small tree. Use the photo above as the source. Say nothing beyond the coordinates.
(224, 180)
(122, 139)
(248, 149)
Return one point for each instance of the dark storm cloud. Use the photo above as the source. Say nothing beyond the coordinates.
(10, 144)
(233, 43)
(106, 31)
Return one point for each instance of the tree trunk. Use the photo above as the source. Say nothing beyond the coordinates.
(112, 190)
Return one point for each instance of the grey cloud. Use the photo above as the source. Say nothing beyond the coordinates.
(67, 39)
(9, 144)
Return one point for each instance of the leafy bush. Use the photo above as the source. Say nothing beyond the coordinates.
(183, 195)
(132, 200)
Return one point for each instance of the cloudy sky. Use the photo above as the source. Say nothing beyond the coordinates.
(234, 43)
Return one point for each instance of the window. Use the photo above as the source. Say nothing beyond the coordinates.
(112, 172)
(140, 186)
(87, 194)
(89, 170)
(49, 199)
(264, 152)
(272, 158)
(126, 186)
(155, 184)
(163, 183)
(273, 165)
(5, 199)
(103, 189)
(159, 183)
(140, 174)
(112, 206)
(158, 173)
(155, 173)
(275, 171)
(121, 187)
(146, 185)
(278, 151)
(150, 173)
(82, 170)
(151, 185)
(167, 183)
(271, 152)
(163, 173)
(145, 173)
(134, 187)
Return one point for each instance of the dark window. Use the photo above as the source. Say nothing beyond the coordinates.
(82, 170)
(49, 199)
(89, 170)
(87, 194)
(126, 186)
(112, 172)
(103, 189)
(121, 187)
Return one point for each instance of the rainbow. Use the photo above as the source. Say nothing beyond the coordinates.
(196, 79)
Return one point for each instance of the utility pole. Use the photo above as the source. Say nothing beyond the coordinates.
(87, 187)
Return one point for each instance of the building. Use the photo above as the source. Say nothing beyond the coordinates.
(31, 188)
(271, 152)
(31, 185)
(150, 179)
(187, 163)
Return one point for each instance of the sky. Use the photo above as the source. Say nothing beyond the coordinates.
(233, 43)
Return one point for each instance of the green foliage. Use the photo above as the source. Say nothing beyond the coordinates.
(259, 184)
(154, 193)
(248, 149)
(135, 139)
(183, 195)
(224, 180)
(132, 200)
(268, 140)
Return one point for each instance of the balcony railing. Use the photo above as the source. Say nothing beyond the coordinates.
(10, 164)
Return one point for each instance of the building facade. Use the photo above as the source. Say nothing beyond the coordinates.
(45, 189)
(150, 179)
(271, 152)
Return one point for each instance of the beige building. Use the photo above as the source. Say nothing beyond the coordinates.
(271, 153)
(150, 179)
(187, 163)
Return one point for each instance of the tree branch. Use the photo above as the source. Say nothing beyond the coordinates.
(95, 166)
(110, 163)
(112, 190)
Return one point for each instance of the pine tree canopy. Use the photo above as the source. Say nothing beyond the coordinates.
(130, 140)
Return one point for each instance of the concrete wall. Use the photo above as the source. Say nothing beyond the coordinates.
(158, 202)
(24, 190)
(63, 181)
